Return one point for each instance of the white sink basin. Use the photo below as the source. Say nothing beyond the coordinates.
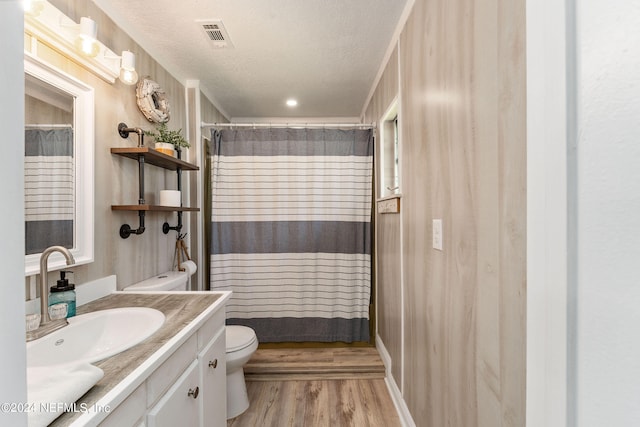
(95, 336)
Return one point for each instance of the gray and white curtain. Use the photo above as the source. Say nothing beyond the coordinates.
(291, 231)
(49, 189)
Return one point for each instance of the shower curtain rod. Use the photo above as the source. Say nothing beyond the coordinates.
(291, 125)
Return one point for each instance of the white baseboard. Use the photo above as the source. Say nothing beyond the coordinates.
(396, 396)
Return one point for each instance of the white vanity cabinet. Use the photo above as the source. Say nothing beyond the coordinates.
(180, 405)
(183, 383)
(198, 396)
(213, 372)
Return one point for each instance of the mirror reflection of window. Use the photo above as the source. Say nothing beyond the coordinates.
(49, 167)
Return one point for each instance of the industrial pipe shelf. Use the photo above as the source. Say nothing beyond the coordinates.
(150, 156)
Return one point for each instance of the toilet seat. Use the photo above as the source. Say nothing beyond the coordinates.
(239, 337)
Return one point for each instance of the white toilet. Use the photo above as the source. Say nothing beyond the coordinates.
(241, 344)
(169, 281)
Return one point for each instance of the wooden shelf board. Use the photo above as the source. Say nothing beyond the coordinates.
(154, 157)
(153, 208)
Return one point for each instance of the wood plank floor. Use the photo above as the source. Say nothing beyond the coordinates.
(314, 363)
(317, 388)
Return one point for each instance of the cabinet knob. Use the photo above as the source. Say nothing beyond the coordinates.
(213, 364)
(194, 393)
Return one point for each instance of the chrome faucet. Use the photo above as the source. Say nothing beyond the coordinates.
(46, 324)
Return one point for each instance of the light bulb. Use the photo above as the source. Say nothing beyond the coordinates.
(88, 47)
(33, 7)
(86, 41)
(128, 73)
(128, 77)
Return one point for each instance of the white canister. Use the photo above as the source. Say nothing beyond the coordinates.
(170, 198)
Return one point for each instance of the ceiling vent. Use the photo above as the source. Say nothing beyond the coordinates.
(216, 33)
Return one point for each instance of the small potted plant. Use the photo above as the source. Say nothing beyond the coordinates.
(166, 141)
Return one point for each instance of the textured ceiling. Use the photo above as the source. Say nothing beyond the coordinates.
(324, 53)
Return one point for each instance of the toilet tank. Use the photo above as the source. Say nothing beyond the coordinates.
(168, 281)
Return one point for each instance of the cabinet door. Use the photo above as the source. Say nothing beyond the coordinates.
(180, 406)
(213, 368)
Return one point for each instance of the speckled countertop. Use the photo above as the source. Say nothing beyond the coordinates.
(180, 309)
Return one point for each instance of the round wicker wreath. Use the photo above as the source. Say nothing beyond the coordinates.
(152, 101)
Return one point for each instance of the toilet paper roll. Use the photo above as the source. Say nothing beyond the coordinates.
(169, 198)
(190, 267)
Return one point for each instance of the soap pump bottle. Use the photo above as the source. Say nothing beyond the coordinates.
(64, 292)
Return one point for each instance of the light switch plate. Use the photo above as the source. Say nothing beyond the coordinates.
(437, 234)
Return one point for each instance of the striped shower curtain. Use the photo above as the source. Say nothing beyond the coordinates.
(49, 189)
(291, 231)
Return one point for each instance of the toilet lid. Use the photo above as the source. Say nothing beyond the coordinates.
(239, 337)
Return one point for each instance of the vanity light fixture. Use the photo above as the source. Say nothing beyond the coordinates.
(86, 41)
(51, 27)
(127, 64)
(33, 7)
(128, 73)
(292, 102)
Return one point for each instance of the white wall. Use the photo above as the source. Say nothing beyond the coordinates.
(583, 213)
(13, 387)
(604, 364)
(546, 213)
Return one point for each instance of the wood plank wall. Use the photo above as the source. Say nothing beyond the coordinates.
(463, 156)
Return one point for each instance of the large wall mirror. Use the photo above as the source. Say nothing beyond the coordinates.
(58, 180)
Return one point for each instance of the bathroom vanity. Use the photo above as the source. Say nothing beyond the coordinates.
(175, 377)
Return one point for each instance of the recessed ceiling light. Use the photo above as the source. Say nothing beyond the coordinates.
(292, 102)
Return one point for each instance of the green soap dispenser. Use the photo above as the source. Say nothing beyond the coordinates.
(64, 292)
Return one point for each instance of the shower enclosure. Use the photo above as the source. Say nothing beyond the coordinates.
(291, 212)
